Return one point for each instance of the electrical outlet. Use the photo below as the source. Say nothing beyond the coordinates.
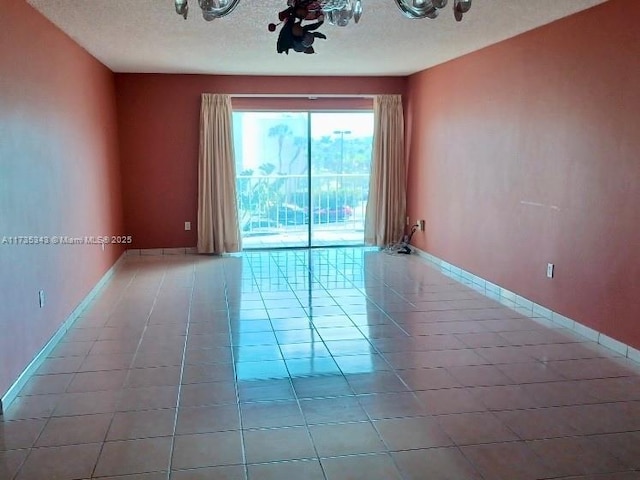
(550, 268)
(421, 225)
(408, 221)
(41, 298)
(187, 226)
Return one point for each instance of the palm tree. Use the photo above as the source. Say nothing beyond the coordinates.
(281, 131)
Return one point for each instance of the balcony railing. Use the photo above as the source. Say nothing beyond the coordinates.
(274, 204)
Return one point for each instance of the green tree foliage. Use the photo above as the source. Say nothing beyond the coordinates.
(271, 185)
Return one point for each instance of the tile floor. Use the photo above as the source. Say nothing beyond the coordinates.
(333, 364)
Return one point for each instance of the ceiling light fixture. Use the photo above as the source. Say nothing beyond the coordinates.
(338, 12)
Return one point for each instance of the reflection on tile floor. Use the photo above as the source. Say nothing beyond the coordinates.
(328, 364)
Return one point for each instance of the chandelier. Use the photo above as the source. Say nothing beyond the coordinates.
(337, 12)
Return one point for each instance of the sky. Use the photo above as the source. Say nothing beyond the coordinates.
(360, 124)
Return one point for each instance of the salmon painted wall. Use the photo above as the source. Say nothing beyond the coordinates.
(528, 152)
(59, 175)
(158, 118)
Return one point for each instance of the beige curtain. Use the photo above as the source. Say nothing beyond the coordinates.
(386, 207)
(218, 229)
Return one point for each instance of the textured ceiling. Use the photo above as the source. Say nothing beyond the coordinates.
(148, 36)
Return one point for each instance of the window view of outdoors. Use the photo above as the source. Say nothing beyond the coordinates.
(302, 177)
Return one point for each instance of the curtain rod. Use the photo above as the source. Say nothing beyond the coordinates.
(299, 95)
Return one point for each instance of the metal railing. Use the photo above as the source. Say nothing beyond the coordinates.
(272, 204)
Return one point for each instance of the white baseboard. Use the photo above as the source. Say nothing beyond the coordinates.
(525, 306)
(26, 374)
(161, 251)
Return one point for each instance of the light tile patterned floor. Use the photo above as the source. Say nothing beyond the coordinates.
(335, 364)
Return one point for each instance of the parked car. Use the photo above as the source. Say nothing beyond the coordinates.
(332, 214)
(287, 214)
(290, 215)
(258, 226)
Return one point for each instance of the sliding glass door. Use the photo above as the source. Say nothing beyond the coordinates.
(340, 164)
(302, 177)
(272, 171)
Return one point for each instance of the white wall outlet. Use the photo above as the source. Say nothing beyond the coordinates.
(550, 268)
(408, 221)
(41, 298)
(187, 226)
(421, 225)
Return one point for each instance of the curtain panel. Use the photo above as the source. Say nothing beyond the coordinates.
(218, 227)
(386, 207)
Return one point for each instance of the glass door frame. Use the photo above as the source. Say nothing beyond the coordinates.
(311, 223)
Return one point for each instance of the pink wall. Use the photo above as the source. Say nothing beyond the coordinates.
(59, 175)
(158, 118)
(528, 152)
